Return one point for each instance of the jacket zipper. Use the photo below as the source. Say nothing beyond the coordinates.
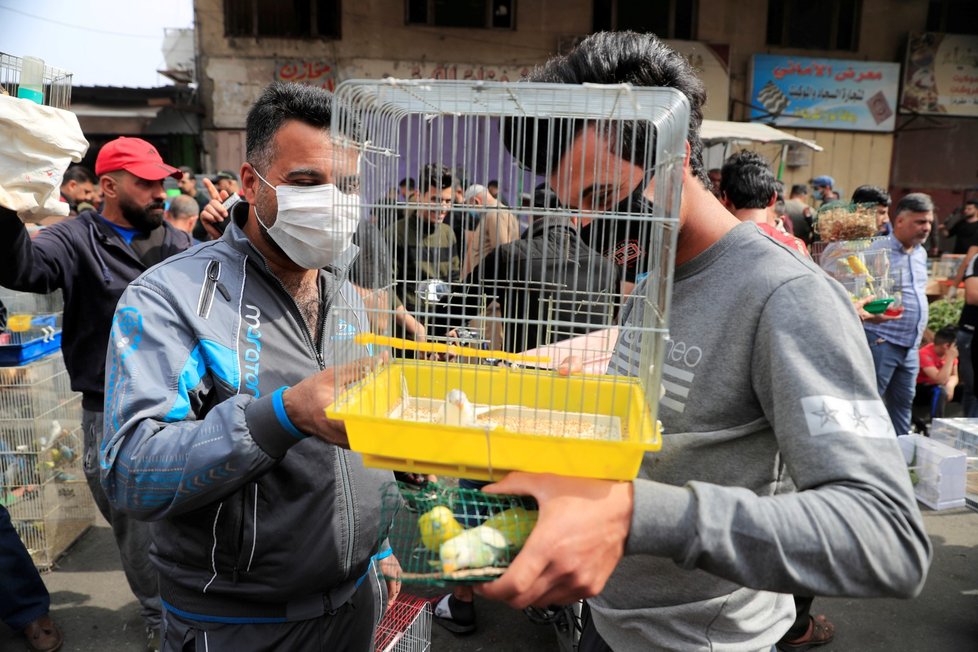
(344, 468)
(212, 283)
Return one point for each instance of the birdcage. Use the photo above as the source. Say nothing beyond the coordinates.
(43, 483)
(56, 82)
(443, 534)
(483, 288)
(30, 325)
(406, 627)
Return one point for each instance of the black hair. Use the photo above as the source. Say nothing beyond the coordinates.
(435, 175)
(610, 58)
(973, 202)
(188, 172)
(946, 335)
(915, 202)
(495, 182)
(78, 174)
(746, 181)
(871, 195)
(279, 103)
(799, 189)
(409, 182)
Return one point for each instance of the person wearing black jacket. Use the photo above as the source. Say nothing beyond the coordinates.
(549, 285)
(92, 259)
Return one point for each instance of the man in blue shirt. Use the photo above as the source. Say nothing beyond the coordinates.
(894, 342)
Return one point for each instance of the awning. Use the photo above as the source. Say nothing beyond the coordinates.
(719, 132)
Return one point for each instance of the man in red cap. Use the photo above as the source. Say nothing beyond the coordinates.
(92, 259)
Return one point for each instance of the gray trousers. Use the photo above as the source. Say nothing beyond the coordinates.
(351, 628)
(131, 536)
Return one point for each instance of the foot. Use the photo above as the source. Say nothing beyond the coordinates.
(820, 632)
(43, 635)
(457, 616)
(153, 643)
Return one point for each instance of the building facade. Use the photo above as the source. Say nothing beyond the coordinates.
(243, 45)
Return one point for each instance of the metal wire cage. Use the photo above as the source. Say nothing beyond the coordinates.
(406, 626)
(444, 535)
(56, 82)
(490, 294)
(42, 482)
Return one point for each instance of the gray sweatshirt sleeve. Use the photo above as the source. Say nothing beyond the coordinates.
(157, 459)
(853, 527)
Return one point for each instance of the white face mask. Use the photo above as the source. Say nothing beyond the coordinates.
(314, 224)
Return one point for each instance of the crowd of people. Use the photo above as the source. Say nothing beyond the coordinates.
(205, 339)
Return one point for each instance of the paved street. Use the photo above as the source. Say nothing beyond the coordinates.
(94, 607)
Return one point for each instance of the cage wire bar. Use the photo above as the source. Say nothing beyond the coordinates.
(406, 626)
(57, 82)
(42, 482)
(489, 299)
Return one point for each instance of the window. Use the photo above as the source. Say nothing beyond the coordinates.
(282, 18)
(664, 18)
(952, 16)
(480, 14)
(814, 24)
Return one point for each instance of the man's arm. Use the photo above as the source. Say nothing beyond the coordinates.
(157, 458)
(38, 265)
(852, 529)
(160, 454)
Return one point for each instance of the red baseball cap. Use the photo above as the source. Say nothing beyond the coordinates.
(136, 156)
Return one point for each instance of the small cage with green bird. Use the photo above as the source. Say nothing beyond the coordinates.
(444, 535)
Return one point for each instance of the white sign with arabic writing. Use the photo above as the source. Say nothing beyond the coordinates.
(805, 92)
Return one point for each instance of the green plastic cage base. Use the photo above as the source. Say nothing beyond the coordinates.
(445, 536)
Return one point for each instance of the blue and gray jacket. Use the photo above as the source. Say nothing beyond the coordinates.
(253, 521)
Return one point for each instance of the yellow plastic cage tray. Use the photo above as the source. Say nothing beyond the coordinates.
(624, 427)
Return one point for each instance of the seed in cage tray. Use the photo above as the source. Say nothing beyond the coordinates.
(475, 548)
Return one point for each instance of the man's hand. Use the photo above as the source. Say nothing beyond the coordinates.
(306, 402)
(870, 317)
(576, 544)
(390, 568)
(951, 353)
(214, 212)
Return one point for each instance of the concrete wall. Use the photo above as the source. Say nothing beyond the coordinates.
(375, 42)
(852, 158)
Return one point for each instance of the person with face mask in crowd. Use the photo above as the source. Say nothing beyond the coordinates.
(91, 259)
(265, 526)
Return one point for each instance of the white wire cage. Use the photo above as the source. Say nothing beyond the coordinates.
(42, 481)
(56, 83)
(489, 296)
(406, 626)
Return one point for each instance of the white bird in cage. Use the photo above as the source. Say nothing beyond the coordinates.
(458, 410)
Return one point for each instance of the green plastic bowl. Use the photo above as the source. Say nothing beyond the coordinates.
(877, 306)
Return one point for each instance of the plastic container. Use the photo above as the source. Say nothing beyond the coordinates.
(31, 80)
(370, 410)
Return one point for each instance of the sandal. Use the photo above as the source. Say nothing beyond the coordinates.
(820, 632)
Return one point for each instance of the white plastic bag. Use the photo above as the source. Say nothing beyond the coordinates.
(36, 145)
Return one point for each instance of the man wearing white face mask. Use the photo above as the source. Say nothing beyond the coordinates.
(265, 527)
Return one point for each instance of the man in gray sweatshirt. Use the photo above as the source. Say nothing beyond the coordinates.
(700, 552)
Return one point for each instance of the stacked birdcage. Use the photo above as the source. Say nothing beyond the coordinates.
(850, 252)
(472, 388)
(406, 626)
(30, 326)
(55, 82)
(43, 484)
